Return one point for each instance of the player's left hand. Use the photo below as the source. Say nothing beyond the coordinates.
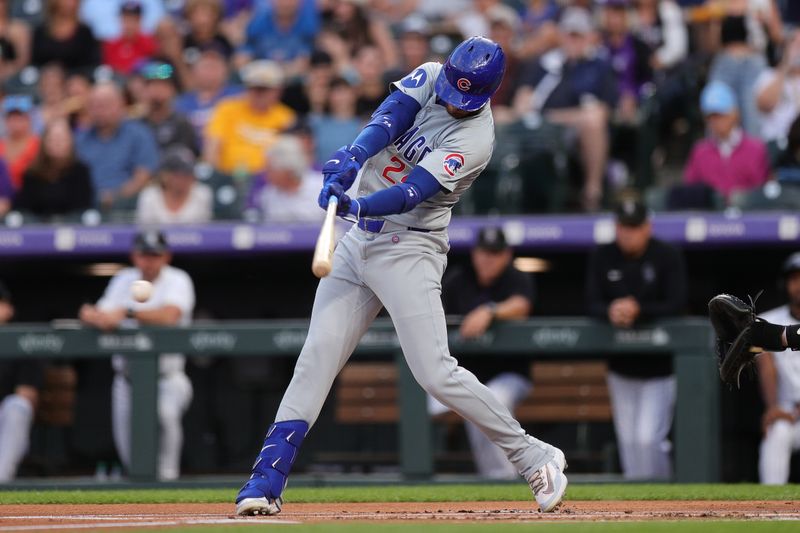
(341, 167)
(476, 322)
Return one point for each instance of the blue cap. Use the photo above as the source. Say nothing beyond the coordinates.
(21, 103)
(718, 97)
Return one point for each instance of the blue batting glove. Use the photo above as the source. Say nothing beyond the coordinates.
(345, 206)
(343, 165)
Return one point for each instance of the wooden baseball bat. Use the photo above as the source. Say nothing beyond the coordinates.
(322, 263)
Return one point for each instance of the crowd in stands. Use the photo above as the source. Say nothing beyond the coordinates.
(102, 92)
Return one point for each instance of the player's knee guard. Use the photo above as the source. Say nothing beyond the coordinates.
(274, 462)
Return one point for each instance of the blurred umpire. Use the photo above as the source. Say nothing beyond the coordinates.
(779, 375)
(630, 281)
(171, 304)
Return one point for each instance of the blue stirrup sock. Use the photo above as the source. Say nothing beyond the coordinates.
(274, 462)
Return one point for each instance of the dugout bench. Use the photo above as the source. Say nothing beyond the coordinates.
(696, 429)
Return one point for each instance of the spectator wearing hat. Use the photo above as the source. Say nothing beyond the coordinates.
(170, 128)
(204, 18)
(573, 87)
(281, 31)
(62, 38)
(170, 304)
(210, 74)
(292, 184)
(633, 280)
(779, 377)
(20, 144)
(121, 153)
(133, 47)
(20, 382)
(490, 289)
(177, 198)
(339, 123)
(241, 128)
(57, 182)
(104, 17)
(728, 159)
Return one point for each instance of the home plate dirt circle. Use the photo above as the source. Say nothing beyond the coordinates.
(118, 516)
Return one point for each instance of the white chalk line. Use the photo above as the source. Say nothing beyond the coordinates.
(143, 523)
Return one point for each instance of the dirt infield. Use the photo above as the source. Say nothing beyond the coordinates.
(34, 517)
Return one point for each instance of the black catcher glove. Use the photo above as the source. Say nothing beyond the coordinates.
(741, 335)
(732, 319)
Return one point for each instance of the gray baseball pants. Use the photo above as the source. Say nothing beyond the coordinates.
(401, 270)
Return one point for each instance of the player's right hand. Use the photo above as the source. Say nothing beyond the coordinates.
(341, 167)
(335, 189)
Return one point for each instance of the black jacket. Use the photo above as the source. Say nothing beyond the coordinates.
(657, 280)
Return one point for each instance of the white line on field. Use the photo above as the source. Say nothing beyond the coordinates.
(158, 523)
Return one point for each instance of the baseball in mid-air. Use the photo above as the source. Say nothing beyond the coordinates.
(141, 290)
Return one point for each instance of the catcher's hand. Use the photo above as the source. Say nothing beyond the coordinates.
(733, 321)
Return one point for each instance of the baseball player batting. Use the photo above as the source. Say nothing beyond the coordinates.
(423, 147)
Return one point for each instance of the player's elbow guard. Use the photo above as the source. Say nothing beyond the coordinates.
(395, 114)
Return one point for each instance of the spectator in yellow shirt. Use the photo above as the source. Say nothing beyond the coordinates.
(241, 128)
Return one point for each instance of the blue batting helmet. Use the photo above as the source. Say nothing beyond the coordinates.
(471, 74)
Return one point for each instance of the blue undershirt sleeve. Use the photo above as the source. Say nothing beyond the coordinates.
(399, 198)
(393, 117)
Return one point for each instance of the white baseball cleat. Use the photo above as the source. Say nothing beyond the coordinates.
(258, 506)
(549, 483)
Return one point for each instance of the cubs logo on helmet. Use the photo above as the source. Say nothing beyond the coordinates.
(464, 84)
(453, 163)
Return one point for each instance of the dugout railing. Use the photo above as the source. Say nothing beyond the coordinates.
(688, 341)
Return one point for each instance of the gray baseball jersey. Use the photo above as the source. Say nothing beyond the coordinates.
(401, 270)
(455, 152)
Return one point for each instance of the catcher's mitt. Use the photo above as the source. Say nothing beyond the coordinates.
(733, 321)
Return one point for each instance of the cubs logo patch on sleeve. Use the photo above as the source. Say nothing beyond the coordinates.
(452, 163)
(415, 79)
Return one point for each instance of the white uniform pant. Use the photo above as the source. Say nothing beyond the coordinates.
(643, 411)
(401, 270)
(174, 397)
(781, 440)
(16, 419)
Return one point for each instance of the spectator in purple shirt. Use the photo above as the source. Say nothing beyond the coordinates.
(728, 159)
(628, 57)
